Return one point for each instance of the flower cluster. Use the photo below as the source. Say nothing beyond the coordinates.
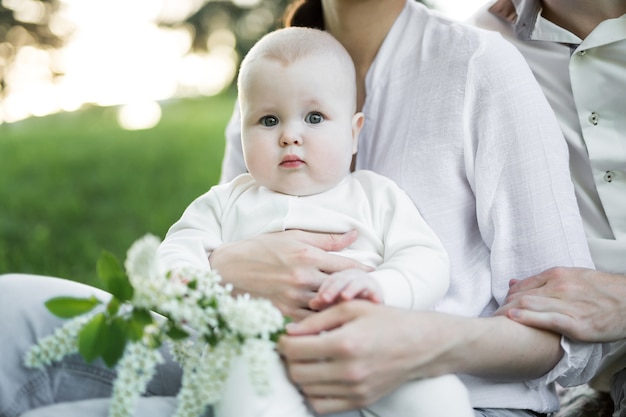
(188, 311)
(63, 342)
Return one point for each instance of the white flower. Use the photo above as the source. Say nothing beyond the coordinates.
(251, 317)
(141, 258)
(135, 370)
(205, 373)
(259, 354)
(148, 293)
(64, 341)
(195, 301)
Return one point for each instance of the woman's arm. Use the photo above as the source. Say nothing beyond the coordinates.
(367, 358)
(526, 207)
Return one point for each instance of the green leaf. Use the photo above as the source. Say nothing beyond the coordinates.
(115, 339)
(143, 316)
(114, 306)
(113, 277)
(91, 338)
(138, 321)
(67, 307)
(212, 339)
(276, 335)
(176, 333)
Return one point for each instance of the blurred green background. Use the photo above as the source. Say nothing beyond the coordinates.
(73, 184)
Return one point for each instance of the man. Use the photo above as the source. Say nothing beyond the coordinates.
(577, 51)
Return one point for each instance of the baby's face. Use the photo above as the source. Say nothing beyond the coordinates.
(299, 130)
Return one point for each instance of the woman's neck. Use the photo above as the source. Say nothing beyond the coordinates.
(361, 26)
(581, 16)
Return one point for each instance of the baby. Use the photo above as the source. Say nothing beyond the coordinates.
(299, 132)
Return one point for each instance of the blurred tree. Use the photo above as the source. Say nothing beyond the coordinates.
(247, 23)
(37, 23)
(25, 23)
(31, 23)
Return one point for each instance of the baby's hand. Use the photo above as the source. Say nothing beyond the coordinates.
(347, 285)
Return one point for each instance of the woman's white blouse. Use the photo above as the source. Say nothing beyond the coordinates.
(454, 116)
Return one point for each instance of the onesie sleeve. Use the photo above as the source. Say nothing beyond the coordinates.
(189, 242)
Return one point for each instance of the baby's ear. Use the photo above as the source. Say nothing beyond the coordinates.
(357, 124)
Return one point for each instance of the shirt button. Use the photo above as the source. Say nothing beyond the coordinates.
(608, 176)
(582, 53)
(593, 118)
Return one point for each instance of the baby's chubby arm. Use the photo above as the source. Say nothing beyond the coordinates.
(415, 269)
(190, 240)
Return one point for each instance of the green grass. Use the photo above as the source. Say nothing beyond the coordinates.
(73, 184)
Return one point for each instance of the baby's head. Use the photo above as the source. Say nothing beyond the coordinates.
(297, 96)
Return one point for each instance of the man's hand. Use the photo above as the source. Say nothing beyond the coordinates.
(583, 304)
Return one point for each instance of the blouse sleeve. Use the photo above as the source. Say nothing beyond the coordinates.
(519, 170)
(233, 163)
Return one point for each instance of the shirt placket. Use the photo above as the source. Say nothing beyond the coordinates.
(597, 71)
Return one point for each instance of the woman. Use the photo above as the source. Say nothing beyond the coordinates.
(454, 116)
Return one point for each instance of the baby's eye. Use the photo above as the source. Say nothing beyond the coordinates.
(268, 121)
(314, 118)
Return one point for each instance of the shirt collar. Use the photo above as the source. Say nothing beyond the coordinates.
(545, 30)
(522, 14)
(525, 15)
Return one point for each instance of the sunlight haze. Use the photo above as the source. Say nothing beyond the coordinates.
(134, 65)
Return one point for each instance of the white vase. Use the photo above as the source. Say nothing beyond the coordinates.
(240, 398)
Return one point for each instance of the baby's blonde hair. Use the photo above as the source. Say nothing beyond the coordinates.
(291, 44)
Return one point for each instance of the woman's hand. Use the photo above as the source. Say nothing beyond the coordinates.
(364, 351)
(353, 353)
(285, 267)
(583, 304)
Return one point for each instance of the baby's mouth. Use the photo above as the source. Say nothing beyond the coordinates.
(291, 161)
